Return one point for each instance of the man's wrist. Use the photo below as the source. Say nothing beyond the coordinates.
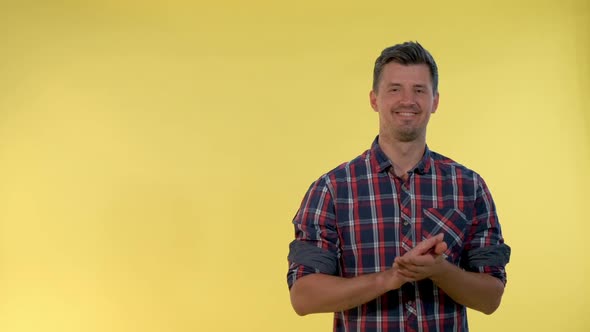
(388, 280)
(442, 272)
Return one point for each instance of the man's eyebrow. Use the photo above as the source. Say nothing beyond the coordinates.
(417, 85)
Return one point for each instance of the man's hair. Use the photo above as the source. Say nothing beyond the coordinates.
(408, 53)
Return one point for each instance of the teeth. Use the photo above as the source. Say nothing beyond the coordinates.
(406, 114)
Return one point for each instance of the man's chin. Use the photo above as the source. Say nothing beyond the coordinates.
(406, 137)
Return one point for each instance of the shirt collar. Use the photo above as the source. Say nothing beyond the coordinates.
(383, 162)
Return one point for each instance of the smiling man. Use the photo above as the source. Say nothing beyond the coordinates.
(400, 238)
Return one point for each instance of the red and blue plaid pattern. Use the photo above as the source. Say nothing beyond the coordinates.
(365, 217)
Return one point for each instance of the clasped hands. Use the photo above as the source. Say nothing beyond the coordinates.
(423, 261)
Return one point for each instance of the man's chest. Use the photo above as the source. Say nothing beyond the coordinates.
(380, 218)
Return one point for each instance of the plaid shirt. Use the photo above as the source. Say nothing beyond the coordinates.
(358, 217)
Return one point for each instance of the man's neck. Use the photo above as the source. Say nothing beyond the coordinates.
(403, 155)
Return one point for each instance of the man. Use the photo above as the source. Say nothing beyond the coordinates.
(400, 238)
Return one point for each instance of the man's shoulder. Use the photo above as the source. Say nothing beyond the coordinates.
(349, 169)
(446, 164)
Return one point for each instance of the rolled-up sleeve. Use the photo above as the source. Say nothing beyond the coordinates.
(485, 250)
(315, 248)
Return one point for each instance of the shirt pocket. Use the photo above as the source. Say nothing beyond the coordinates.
(452, 223)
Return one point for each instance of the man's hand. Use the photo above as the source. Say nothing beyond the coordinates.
(392, 279)
(422, 262)
(477, 291)
(411, 266)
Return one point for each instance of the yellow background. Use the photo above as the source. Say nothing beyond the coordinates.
(153, 154)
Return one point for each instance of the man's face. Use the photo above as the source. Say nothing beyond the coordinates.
(404, 101)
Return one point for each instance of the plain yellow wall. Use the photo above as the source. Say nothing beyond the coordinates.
(153, 154)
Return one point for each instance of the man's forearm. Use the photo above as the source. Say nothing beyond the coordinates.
(317, 293)
(477, 291)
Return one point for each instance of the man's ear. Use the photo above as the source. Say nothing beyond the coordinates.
(373, 100)
(435, 102)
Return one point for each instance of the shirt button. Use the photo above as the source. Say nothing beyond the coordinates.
(406, 223)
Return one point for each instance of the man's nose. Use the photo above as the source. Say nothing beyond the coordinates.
(408, 98)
